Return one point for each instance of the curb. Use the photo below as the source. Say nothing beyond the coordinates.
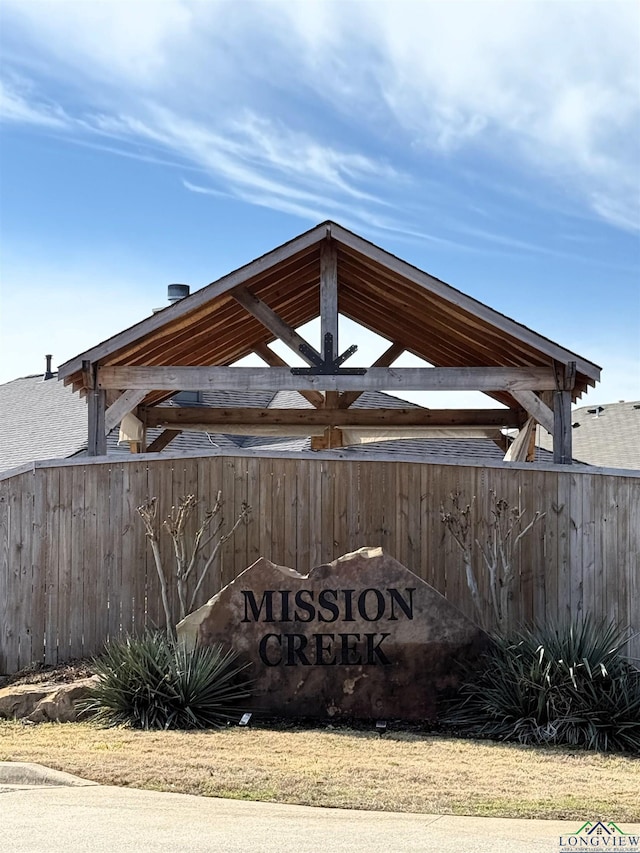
(24, 773)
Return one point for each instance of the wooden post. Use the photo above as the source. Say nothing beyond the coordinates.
(96, 408)
(562, 451)
(329, 294)
(562, 438)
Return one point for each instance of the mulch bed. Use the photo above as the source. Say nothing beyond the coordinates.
(39, 673)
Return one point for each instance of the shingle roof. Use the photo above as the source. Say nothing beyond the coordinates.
(39, 420)
(607, 435)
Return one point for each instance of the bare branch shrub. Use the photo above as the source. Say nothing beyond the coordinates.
(496, 540)
(189, 551)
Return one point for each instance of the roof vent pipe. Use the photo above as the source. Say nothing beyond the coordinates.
(176, 292)
(48, 373)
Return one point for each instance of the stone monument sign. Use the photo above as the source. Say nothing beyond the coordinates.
(359, 637)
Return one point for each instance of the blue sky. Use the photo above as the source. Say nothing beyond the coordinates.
(494, 144)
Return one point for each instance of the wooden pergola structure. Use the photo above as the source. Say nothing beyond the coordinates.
(192, 345)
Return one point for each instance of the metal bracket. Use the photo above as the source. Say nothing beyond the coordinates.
(328, 364)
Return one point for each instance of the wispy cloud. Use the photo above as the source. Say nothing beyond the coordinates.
(24, 108)
(259, 161)
(370, 103)
(555, 87)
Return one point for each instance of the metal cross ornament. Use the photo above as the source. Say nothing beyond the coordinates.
(327, 364)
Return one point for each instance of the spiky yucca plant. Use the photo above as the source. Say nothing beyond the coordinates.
(554, 685)
(154, 682)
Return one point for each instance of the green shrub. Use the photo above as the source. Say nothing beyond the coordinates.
(553, 685)
(153, 682)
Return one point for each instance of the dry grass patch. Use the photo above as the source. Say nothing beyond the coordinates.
(341, 768)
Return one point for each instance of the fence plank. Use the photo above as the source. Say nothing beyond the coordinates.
(21, 570)
(93, 557)
(39, 535)
(623, 563)
(540, 504)
(240, 496)
(427, 515)
(302, 517)
(327, 551)
(65, 569)
(264, 511)
(610, 579)
(6, 614)
(589, 522)
(10, 628)
(112, 516)
(343, 487)
(633, 590)
(77, 575)
(52, 488)
(576, 538)
(253, 496)
(129, 550)
(564, 540)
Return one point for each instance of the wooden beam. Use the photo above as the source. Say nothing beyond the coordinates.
(500, 441)
(512, 379)
(368, 435)
(163, 440)
(362, 434)
(535, 407)
(217, 418)
(125, 403)
(519, 450)
(329, 293)
(531, 449)
(385, 360)
(273, 360)
(274, 323)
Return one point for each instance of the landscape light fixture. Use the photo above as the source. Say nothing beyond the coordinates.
(244, 720)
(381, 727)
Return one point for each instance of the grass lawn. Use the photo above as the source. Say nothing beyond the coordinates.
(341, 767)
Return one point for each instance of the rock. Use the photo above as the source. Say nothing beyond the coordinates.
(49, 701)
(19, 700)
(359, 637)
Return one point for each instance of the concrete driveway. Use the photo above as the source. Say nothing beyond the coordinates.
(56, 815)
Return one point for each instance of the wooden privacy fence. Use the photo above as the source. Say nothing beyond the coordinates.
(75, 569)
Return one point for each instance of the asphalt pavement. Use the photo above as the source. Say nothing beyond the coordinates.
(45, 812)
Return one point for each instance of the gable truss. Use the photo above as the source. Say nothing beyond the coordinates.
(540, 392)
